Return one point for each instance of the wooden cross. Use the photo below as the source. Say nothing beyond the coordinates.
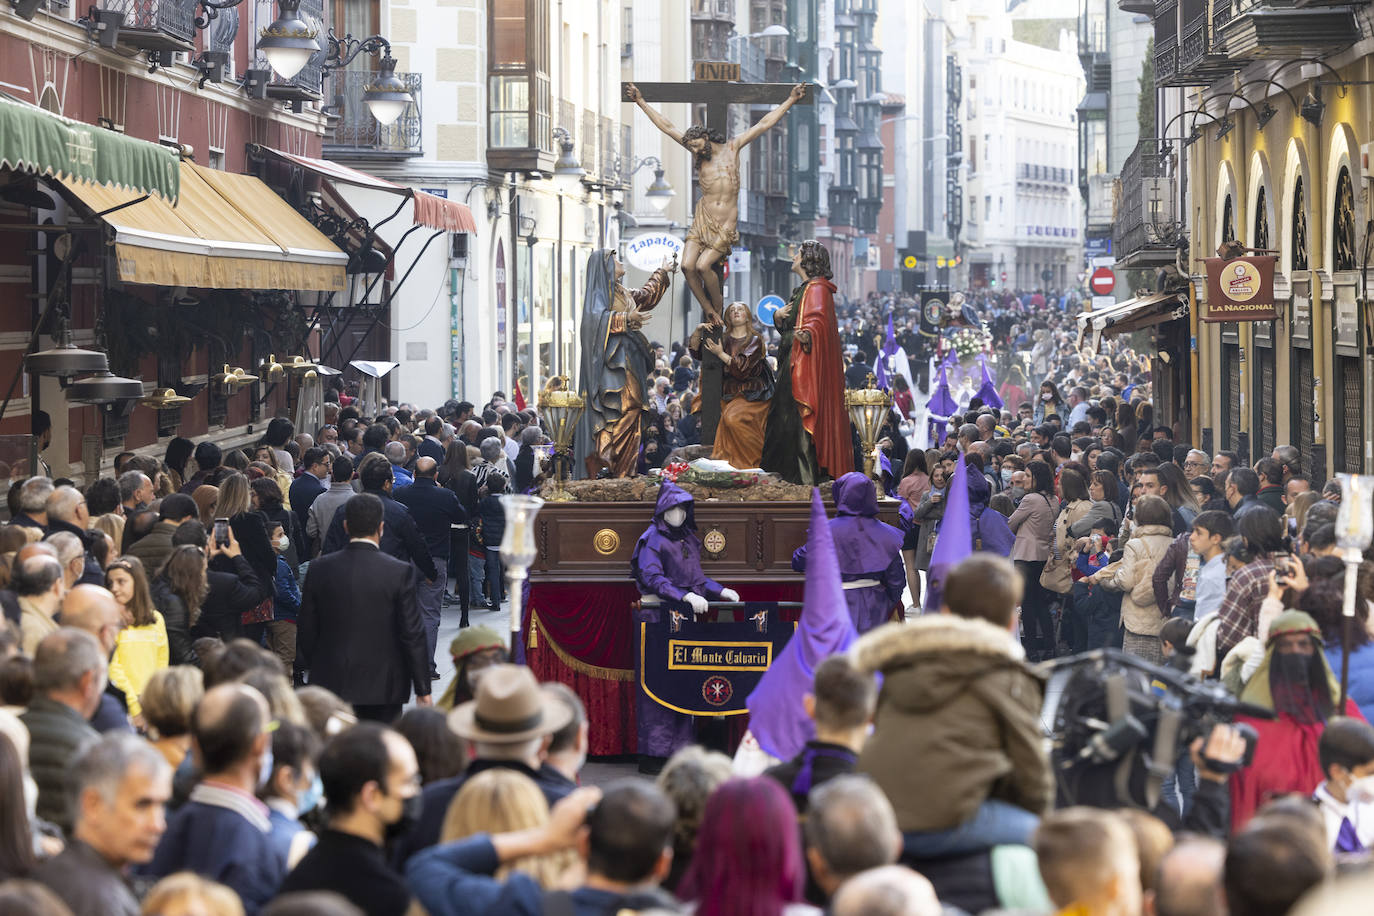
(717, 94)
(717, 86)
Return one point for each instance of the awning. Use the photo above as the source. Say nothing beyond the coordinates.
(38, 141)
(430, 209)
(226, 232)
(1128, 315)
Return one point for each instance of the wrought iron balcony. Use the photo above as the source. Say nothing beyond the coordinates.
(1201, 58)
(1144, 225)
(357, 135)
(1287, 29)
(1166, 42)
(155, 25)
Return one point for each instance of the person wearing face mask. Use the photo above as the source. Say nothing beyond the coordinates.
(1346, 797)
(371, 785)
(292, 791)
(223, 832)
(666, 565)
(1295, 682)
(281, 631)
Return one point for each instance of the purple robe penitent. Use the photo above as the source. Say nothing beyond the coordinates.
(866, 549)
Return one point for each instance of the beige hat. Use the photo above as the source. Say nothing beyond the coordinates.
(509, 708)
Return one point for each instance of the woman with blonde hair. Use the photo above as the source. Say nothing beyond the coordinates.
(168, 702)
(142, 646)
(500, 800)
(111, 524)
(188, 894)
(235, 503)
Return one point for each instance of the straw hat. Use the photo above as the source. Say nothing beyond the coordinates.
(509, 708)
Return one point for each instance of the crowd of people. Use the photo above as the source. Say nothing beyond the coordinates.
(216, 674)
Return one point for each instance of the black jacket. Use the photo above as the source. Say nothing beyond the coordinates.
(177, 621)
(359, 632)
(234, 588)
(434, 509)
(400, 536)
(354, 867)
(305, 489)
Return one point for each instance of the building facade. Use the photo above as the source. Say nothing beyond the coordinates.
(171, 288)
(1022, 221)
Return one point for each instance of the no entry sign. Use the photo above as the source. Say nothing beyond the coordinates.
(1102, 281)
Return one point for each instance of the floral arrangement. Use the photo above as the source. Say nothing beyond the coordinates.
(672, 469)
(969, 342)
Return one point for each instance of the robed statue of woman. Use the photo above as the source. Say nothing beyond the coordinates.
(615, 362)
(748, 385)
(809, 436)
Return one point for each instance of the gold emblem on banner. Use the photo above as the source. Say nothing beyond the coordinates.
(713, 542)
(606, 541)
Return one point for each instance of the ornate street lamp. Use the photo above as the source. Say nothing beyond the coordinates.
(386, 96)
(659, 193)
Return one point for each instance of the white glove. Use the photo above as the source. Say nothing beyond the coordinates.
(697, 603)
(729, 594)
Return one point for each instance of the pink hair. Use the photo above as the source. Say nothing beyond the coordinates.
(748, 859)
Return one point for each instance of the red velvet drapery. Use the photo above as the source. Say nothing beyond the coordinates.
(583, 636)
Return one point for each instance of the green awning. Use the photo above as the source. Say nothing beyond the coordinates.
(37, 141)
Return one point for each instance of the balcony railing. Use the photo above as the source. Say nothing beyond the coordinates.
(587, 150)
(610, 152)
(1144, 229)
(155, 25)
(357, 133)
(567, 117)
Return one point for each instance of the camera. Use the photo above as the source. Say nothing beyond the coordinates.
(1117, 724)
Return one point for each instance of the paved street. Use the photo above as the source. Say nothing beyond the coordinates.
(595, 773)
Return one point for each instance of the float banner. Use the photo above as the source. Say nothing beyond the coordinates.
(932, 311)
(1240, 289)
(704, 667)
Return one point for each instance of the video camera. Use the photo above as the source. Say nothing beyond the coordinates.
(1118, 723)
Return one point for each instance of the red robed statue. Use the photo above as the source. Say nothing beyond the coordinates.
(808, 427)
(818, 379)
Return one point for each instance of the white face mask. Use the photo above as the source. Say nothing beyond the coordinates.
(1361, 790)
(675, 516)
(283, 542)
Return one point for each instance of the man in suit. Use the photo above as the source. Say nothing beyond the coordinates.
(436, 510)
(316, 466)
(400, 536)
(359, 632)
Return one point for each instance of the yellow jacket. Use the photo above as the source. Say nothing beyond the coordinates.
(139, 652)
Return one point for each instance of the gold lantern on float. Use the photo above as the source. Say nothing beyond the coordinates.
(868, 407)
(561, 409)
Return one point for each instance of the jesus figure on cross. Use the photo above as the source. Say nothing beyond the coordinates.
(715, 224)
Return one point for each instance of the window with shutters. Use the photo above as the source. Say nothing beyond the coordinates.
(1266, 432)
(1304, 408)
(1349, 416)
(1230, 405)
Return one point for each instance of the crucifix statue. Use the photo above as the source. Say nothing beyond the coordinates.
(715, 220)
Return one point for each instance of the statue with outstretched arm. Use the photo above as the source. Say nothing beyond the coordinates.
(715, 223)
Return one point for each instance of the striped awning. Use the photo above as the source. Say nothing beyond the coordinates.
(37, 141)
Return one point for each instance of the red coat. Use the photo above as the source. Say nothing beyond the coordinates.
(818, 379)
